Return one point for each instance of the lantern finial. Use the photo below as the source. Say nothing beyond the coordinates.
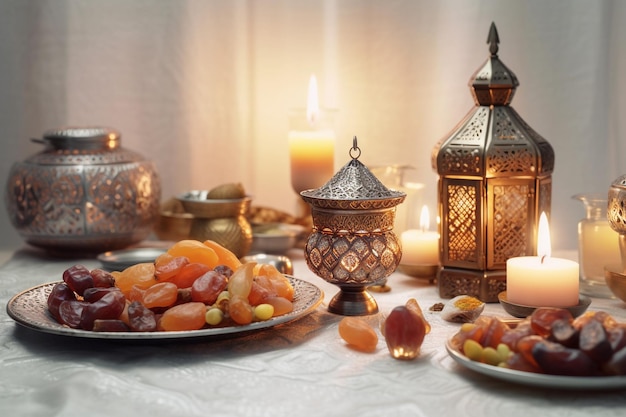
(493, 40)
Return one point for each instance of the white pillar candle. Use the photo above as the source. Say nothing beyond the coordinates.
(311, 147)
(420, 246)
(542, 281)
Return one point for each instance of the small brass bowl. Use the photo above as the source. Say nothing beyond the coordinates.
(616, 281)
(221, 220)
(173, 226)
(282, 263)
(276, 238)
(172, 223)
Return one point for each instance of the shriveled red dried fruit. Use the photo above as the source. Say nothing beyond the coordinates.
(404, 333)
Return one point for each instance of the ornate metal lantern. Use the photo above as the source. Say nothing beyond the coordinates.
(352, 244)
(495, 179)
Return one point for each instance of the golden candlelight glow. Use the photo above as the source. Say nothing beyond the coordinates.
(424, 219)
(544, 245)
(312, 103)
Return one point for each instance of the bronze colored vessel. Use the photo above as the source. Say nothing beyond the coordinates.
(221, 220)
(352, 244)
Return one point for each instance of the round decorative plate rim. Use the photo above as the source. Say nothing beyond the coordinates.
(34, 315)
(538, 380)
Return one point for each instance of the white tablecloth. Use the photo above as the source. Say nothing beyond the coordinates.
(301, 368)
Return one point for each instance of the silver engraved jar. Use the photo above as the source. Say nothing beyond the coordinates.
(84, 193)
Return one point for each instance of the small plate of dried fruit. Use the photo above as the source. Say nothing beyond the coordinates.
(550, 348)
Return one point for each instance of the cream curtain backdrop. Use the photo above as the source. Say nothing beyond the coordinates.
(203, 88)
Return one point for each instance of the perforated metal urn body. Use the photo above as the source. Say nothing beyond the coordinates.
(84, 193)
(352, 244)
(495, 179)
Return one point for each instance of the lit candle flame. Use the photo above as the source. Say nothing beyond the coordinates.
(544, 246)
(424, 219)
(312, 103)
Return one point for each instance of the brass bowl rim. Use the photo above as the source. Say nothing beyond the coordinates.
(186, 197)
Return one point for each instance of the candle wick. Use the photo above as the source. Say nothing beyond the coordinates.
(542, 258)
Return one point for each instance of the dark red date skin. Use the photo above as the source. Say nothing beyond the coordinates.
(78, 278)
(93, 294)
(140, 318)
(71, 311)
(102, 278)
(594, 341)
(110, 325)
(617, 364)
(542, 319)
(564, 332)
(206, 288)
(556, 359)
(110, 306)
(60, 292)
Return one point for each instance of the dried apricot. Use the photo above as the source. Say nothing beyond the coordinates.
(240, 310)
(195, 251)
(224, 255)
(166, 266)
(188, 316)
(141, 275)
(189, 273)
(281, 284)
(358, 334)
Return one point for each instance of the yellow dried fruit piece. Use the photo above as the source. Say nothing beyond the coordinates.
(490, 356)
(473, 350)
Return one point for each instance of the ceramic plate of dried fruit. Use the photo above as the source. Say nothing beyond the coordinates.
(29, 309)
(539, 380)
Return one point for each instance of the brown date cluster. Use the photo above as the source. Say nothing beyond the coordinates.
(552, 341)
(90, 300)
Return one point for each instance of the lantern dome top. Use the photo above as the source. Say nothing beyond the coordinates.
(493, 141)
(494, 83)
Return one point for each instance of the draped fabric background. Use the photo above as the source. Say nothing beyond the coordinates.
(203, 88)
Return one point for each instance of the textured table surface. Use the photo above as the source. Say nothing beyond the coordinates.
(300, 368)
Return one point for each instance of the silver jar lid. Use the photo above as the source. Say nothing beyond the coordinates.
(82, 138)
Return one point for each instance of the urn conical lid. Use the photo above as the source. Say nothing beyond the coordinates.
(354, 187)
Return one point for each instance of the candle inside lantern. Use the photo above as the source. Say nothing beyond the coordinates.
(420, 246)
(311, 145)
(542, 281)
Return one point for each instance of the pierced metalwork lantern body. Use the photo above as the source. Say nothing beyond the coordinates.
(495, 179)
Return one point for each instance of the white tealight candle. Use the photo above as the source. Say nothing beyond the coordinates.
(542, 281)
(420, 247)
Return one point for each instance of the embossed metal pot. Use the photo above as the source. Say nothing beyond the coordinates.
(352, 244)
(221, 220)
(83, 193)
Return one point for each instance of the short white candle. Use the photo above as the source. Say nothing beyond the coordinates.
(542, 281)
(420, 246)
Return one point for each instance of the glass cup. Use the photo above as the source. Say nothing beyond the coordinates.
(598, 245)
